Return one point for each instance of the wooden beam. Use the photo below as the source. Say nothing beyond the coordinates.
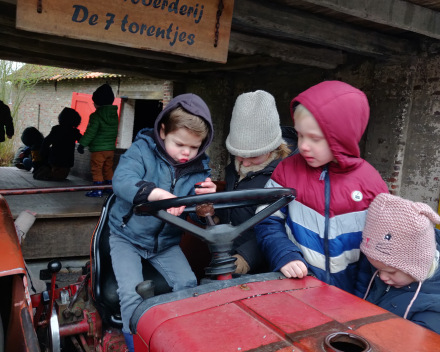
(273, 20)
(394, 13)
(244, 44)
(22, 55)
(234, 64)
(101, 58)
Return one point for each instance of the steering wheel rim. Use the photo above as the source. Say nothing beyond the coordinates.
(222, 200)
(220, 238)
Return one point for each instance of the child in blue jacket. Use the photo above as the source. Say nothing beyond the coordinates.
(163, 162)
(400, 242)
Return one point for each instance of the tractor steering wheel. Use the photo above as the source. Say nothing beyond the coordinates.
(220, 237)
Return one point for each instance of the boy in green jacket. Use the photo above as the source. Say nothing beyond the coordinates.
(100, 136)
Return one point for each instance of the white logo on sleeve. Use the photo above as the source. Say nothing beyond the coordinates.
(357, 196)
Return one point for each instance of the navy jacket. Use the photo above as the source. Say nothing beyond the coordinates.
(425, 310)
(145, 165)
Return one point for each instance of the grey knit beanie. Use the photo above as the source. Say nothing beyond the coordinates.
(255, 125)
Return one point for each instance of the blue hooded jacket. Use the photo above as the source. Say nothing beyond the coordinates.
(146, 163)
(425, 310)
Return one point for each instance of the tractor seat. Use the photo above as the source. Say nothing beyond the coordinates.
(104, 285)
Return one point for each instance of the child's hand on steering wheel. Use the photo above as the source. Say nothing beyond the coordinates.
(161, 194)
(207, 186)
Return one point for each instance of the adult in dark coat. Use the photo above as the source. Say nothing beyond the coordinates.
(6, 124)
(255, 133)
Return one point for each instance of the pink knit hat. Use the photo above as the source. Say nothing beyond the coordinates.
(400, 234)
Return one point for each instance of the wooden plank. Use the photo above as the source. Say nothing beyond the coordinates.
(395, 13)
(58, 205)
(273, 20)
(7, 26)
(245, 44)
(59, 238)
(183, 28)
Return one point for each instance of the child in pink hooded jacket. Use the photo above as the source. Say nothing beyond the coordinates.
(321, 231)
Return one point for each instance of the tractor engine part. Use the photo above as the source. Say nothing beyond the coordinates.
(345, 342)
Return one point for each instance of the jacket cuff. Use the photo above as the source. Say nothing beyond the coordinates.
(145, 188)
(252, 254)
(289, 258)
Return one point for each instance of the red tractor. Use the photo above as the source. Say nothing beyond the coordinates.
(265, 312)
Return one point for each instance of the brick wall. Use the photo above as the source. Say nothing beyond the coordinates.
(47, 99)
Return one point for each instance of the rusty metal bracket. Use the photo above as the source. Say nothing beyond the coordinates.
(40, 6)
(221, 6)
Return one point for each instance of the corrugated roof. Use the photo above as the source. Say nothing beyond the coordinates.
(48, 73)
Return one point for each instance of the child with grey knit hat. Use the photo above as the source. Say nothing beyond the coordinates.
(257, 144)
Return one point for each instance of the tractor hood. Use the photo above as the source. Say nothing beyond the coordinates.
(11, 258)
(268, 312)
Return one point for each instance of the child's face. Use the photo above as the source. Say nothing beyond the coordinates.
(391, 276)
(311, 141)
(182, 145)
(257, 160)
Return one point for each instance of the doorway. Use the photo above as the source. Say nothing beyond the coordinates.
(145, 114)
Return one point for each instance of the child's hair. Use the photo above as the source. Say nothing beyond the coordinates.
(299, 109)
(31, 137)
(283, 151)
(180, 118)
(433, 268)
(69, 117)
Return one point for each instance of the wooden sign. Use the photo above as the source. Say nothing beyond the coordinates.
(184, 27)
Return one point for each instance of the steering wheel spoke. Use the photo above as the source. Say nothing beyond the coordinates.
(220, 237)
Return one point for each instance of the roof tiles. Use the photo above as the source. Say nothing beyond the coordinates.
(48, 73)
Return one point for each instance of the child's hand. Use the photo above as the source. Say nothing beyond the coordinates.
(294, 269)
(207, 187)
(161, 194)
(80, 149)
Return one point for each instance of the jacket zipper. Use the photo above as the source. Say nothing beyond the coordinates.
(386, 291)
(173, 185)
(156, 237)
(325, 175)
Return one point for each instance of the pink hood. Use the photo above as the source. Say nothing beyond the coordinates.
(342, 112)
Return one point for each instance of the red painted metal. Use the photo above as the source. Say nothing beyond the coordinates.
(139, 344)
(11, 258)
(79, 327)
(113, 341)
(277, 315)
(44, 190)
(147, 324)
(224, 277)
(21, 335)
(91, 325)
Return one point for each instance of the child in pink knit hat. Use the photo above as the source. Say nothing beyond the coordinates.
(399, 240)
